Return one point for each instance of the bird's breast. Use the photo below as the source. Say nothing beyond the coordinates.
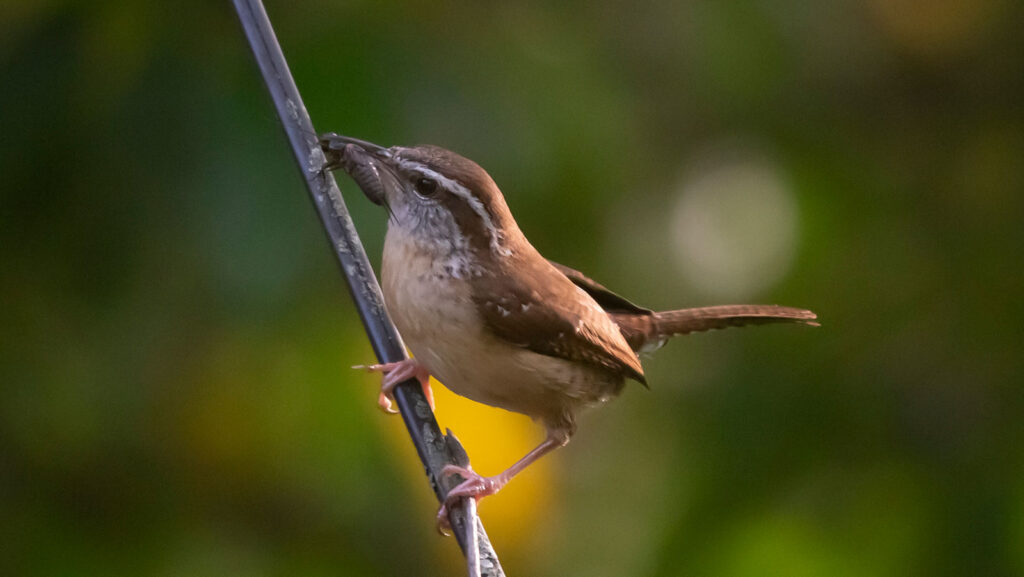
(432, 306)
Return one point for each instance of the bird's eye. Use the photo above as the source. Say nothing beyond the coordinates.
(426, 187)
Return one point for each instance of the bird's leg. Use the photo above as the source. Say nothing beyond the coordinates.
(478, 486)
(395, 373)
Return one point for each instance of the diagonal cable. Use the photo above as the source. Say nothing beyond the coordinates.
(434, 448)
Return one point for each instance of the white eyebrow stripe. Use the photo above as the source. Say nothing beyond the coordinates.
(462, 192)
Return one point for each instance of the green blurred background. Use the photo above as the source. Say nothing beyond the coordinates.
(175, 397)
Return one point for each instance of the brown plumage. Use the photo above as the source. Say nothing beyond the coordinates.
(489, 317)
(546, 322)
(646, 330)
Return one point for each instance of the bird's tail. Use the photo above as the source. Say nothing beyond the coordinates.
(649, 332)
(684, 321)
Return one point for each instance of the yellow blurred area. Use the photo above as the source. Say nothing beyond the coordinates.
(936, 27)
(494, 439)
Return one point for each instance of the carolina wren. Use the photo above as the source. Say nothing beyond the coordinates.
(488, 316)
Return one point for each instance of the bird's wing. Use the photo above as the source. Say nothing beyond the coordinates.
(553, 317)
(608, 300)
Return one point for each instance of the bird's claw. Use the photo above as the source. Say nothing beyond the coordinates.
(395, 373)
(475, 485)
(386, 402)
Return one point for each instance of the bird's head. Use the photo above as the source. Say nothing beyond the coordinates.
(433, 195)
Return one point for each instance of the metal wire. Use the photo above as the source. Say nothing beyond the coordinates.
(434, 448)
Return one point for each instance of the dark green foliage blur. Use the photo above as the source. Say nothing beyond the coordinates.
(175, 397)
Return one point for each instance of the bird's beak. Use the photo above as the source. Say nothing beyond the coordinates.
(337, 142)
(365, 162)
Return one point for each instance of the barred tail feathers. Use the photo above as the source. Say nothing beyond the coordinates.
(645, 333)
(685, 321)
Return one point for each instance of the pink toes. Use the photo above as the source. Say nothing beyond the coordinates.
(395, 373)
(475, 486)
(428, 392)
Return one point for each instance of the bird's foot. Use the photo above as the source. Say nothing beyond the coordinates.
(395, 373)
(475, 486)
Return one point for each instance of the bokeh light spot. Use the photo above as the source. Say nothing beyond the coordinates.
(734, 226)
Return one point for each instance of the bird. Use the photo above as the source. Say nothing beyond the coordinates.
(483, 312)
